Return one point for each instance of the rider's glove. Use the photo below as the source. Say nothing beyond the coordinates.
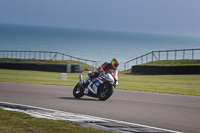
(93, 74)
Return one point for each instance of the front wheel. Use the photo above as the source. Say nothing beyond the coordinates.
(106, 92)
(78, 91)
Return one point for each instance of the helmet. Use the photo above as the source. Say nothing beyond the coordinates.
(114, 63)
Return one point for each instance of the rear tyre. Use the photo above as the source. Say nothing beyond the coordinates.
(78, 91)
(106, 92)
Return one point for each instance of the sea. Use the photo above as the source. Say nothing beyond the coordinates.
(98, 45)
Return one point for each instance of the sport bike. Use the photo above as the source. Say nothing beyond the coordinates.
(100, 85)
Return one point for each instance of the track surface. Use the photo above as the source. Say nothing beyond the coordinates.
(174, 112)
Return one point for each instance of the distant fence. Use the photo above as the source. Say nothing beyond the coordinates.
(48, 55)
(163, 55)
(151, 56)
(43, 55)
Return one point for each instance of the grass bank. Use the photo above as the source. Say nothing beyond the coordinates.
(174, 84)
(85, 66)
(17, 122)
(186, 62)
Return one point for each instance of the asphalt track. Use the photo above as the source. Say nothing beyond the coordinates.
(168, 111)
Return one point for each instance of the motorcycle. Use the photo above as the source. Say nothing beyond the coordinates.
(100, 85)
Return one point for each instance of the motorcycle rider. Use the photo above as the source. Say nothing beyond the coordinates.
(106, 67)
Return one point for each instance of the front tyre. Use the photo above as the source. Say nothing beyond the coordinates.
(106, 92)
(78, 91)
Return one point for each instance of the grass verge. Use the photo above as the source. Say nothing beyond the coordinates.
(17, 122)
(174, 84)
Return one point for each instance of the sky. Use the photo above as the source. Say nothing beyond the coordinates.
(149, 16)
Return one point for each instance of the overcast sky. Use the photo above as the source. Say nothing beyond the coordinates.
(157, 16)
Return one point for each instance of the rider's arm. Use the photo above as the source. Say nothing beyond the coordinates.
(102, 67)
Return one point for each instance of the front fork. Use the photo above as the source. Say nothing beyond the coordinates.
(80, 79)
(80, 83)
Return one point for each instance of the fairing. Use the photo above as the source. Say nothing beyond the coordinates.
(109, 77)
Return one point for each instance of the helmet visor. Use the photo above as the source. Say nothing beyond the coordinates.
(116, 65)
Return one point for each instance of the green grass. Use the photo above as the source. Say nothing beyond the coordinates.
(174, 84)
(186, 62)
(17, 122)
(37, 77)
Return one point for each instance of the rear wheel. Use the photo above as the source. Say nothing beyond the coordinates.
(106, 92)
(78, 91)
